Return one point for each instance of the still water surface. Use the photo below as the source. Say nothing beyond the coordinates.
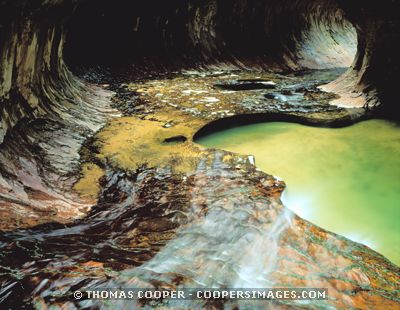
(345, 180)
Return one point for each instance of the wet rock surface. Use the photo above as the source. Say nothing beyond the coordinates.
(40, 162)
(157, 229)
(200, 94)
(173, 215)
(155, 209)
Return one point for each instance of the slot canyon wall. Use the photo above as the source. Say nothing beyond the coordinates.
(283, 35)
(55, 55)
(278, 35)
(36, 85)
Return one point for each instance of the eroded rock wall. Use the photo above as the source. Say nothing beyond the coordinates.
(377, 63)
(32, 70)
(47, 112)
(280, 35)
(277, 35)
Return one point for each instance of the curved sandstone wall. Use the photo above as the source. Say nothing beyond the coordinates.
(272, 34)
(47, 112)
(146, 216)
(280, 35)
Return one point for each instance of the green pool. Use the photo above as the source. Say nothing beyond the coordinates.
(345, 180)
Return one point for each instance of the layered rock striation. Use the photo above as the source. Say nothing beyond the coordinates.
(69, 69)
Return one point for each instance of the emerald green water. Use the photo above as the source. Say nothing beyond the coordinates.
(345, 180)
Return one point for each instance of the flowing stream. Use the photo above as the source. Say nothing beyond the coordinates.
(345, 180)
(218, 227)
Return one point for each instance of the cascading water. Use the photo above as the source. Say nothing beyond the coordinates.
(100, 103)
(344, 179)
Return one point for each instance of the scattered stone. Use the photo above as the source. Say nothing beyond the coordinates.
(168, 124)
(210, 99)
(252, 159)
